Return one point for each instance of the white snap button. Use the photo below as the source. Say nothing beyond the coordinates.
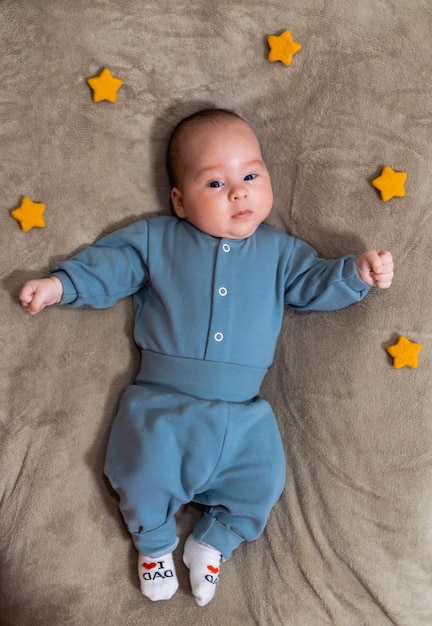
(223, 291)
(218, 337)
(226, 247)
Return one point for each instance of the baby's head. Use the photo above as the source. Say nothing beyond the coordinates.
(219, 181)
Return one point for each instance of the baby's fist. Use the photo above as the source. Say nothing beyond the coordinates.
(376, 267)
(37, 294)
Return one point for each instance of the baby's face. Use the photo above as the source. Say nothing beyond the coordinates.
(224, 187)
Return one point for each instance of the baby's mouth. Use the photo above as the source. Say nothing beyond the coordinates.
(243, 214)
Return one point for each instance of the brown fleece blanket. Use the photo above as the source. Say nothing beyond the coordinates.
(350, 541)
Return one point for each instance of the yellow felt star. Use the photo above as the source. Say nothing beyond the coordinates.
(282, 47)
(29, 214)
(404, 352)
(105, 86)
(390, 183)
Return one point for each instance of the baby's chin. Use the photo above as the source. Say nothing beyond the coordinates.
(231, 234)
(238, 230)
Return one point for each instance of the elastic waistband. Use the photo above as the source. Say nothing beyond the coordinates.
(208, 380)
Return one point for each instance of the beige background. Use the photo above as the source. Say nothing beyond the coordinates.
(350, 542)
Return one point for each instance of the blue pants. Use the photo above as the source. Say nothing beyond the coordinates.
(167, 449)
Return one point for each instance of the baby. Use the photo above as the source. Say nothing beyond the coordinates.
(209, 289)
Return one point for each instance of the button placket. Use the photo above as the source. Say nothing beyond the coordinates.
(222, 291)
(220, 311)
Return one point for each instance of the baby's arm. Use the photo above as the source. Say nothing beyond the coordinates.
(376, 268)
(37, 294)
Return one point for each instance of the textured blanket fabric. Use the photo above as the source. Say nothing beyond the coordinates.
(350, 541)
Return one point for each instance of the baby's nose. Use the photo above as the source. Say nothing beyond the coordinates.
(239, 192)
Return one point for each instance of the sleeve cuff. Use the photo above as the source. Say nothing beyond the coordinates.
(353, 278)
(69, 292)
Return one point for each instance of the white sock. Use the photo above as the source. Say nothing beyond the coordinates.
(203, 562)
(157, 576)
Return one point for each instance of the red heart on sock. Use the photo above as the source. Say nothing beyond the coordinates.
(213, 570)
(149, 565)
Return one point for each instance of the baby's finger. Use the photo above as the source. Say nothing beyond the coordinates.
(374, 260)
(385, 256)
(37, 304)
(26, 295)
(383, 285)
(383, 280)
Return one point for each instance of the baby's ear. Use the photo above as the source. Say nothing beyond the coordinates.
(177, 202)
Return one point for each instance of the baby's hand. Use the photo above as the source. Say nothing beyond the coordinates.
(376, 268)
(37, 294)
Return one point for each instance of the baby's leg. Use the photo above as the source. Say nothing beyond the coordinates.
(157, 576)
(152, 437)
(241, 493)
(203, 562)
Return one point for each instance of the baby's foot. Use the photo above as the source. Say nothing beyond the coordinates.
(157, 576)
(203, 562)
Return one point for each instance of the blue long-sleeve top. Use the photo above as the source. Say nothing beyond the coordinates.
(208, 311)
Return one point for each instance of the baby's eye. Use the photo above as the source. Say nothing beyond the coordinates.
(215, 184)
(250, 177)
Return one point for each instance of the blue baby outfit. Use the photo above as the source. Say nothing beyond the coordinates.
(208, 312)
